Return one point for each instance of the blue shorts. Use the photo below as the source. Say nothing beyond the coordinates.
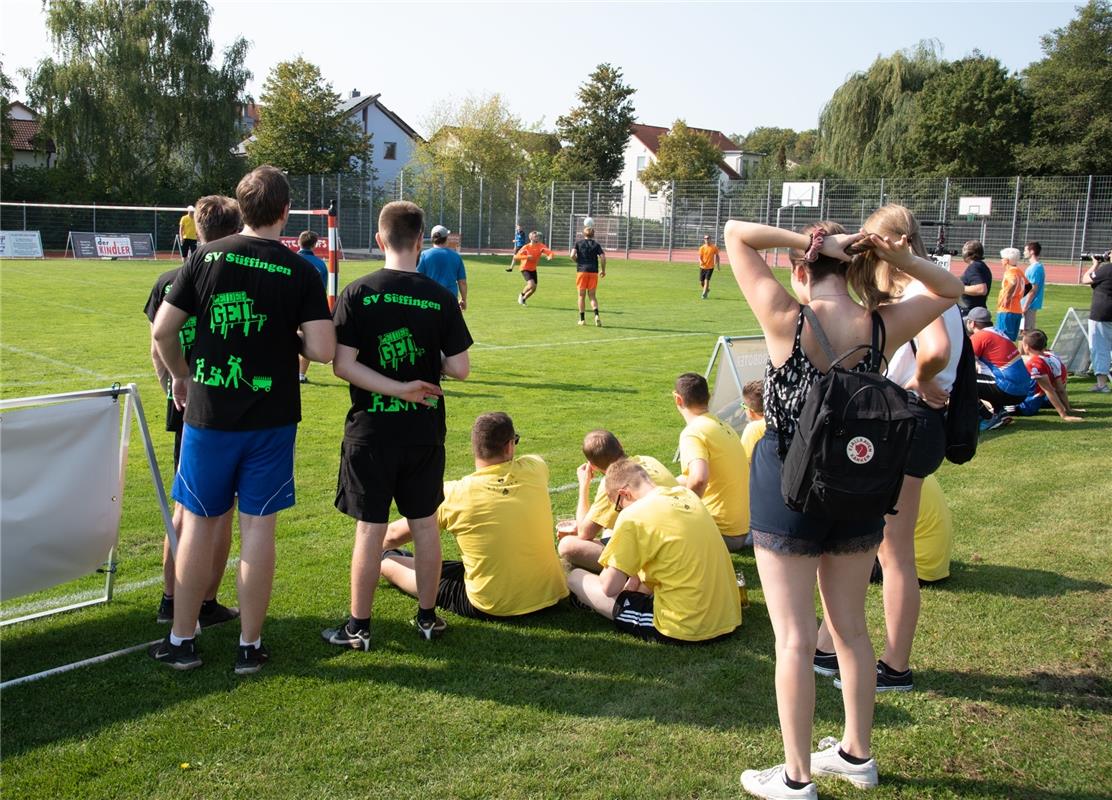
(1033, 404)
(216, 466)
(780, 529)
(1008, 324)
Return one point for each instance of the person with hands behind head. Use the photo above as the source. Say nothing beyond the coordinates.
(397, 332)
(793, 548)
(927, 367)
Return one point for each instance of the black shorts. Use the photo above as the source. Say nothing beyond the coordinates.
(928, 448)
(705, 274)
(370, 477)
(187, 247)
(780, 529)
(529, 275)
(989, 391)
(451, 595)
(633, 614)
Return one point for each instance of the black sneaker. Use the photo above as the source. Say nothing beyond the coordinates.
(887, 680)
(342, 637)
(181, 657)
(302, 378)
(397, 551)
(430, 630)
(250, 660)
(575, 602)
(165, 611)
(826, 663)
(213, 614)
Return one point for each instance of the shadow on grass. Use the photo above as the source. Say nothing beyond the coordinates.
(565, 661)
(1088, 690)
(560, 387)
(1013, 581)
(970, 787)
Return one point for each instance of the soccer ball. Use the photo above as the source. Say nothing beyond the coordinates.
(588, 222)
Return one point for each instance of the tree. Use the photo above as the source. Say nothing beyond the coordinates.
(863, 128)
(303, 128)
(7, 88)
(683, 155)
(968, 120)
(597, 130)
(479, 137)
(133, 101)
(1071, 92)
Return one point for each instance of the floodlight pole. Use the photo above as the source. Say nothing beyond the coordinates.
(551, 209)
(1015, 213)
(672, 220)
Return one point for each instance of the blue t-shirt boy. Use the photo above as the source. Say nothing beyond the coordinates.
(1036, 276)
(445, 266)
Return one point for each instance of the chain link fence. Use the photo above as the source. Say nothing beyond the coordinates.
(1068, 215)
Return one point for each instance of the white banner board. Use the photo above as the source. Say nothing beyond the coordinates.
(1071, 344)
(734, 362)
(20, 244)
(59, 492)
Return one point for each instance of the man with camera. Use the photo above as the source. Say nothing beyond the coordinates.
(1099, 277)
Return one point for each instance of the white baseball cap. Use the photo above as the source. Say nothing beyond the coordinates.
(439, 231)
(188, 209)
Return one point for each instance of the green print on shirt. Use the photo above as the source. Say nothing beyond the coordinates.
(248, 261)
(187, 335)
(396, 347)
(379, 404)
(401, 300)
(216, 376)
(230, 309)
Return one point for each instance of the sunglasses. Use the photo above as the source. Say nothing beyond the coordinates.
(618, 503)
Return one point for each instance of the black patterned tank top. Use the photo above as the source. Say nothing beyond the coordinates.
(786, 386)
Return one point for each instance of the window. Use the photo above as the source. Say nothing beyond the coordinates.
(391, 151)
(641, 164)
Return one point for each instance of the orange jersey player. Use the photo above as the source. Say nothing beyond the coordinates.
(531, 254)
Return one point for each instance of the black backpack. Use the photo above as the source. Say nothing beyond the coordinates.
(846, 459)
(963, 420)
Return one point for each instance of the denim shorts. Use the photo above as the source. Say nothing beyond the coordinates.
(780, 529)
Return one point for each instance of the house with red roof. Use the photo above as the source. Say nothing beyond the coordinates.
(29, 147)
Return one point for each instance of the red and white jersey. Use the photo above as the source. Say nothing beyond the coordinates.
(1046, 365)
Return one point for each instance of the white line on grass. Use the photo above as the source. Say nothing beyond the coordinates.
(120, 378)
(19, 351)
(592, 342)
(41, 301)
(89, 594)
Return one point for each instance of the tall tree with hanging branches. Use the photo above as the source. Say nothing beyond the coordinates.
(863, 128)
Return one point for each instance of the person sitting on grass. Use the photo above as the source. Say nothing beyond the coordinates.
(214, 217)
(595, 521)
(713, 461)
(1009, 302)
(688, 593)
(1049, 374)
(501, 516)
(752, 394)
(1002, 378)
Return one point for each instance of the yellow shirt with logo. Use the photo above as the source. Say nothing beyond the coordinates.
(501, 517)
(934, 533)
(188, 227)
(670, 537)
(727, 492)
(602, 511)
(751, 434)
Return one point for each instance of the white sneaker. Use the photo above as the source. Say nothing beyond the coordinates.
(829, 761)
(770, 783)
(582, 322)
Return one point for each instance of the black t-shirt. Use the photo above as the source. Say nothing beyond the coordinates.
(1101, 307)
(400, 322)
(249, 295)
(186, 335)
(976, 272)
(587, 252)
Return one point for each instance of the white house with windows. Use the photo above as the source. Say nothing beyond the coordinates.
(393, 140)
(641, 149)
(29, 147)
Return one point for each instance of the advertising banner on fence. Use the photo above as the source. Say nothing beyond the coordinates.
(20, 244)
(320, 248)
(111, 245)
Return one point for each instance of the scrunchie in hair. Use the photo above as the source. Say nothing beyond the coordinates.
(818, 236)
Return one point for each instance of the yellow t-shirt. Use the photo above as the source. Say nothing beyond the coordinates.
(188, 227)
(752, 434)
(707, 252)
(670, 537)
(501, 517)
(727, 493)
(934, 533)
(602, 511)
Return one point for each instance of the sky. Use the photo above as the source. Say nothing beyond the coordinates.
(728, 66)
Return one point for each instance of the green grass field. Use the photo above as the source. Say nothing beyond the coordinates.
(1013, 694)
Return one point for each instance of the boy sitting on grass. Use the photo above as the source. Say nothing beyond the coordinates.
(1049, 374)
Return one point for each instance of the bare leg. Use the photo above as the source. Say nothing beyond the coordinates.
(582, 294)
(529, 290)
(401, 572)
(366, 559)
(901, 583)
(303, 365)
(582, 553)
(256, 572)
(594, 300)
(789, 590)
(844, 580)
(588, 588)
(168, 556)
(426, 549)
(220, 551)
(193, 570)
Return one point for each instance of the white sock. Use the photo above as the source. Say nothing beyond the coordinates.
(255, 643)
(176, 641)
